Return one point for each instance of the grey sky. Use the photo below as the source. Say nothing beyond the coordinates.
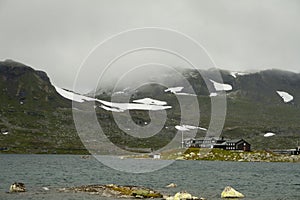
(55, 36)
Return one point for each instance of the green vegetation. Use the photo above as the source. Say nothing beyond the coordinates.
(241, 156)
(39, 120)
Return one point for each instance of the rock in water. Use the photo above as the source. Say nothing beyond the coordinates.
(172, 185)
(229, 192)
(17, 187)
(182, 196)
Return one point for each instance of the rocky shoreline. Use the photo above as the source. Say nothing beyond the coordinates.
(227, 155)
(116, 191)
(138, 192)
(130, 192)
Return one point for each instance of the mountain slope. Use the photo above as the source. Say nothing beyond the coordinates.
(35, 118)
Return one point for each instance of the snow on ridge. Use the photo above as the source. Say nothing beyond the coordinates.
(174, 89)
(111, 106)
(150, 101)
(185, 94)
(235, 74)
(177, 91)
(181, 128)
(72, 96)
(111, 109)
(285, 96)
(221, 86)
(131, 106)
(188, 128)
(269, 134)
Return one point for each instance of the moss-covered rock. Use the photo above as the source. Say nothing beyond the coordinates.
(112, 190)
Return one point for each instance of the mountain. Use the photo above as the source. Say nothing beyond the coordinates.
(257, 103)
(36, 117)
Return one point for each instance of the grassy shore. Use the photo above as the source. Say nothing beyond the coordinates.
(224, 155)
(227, 155)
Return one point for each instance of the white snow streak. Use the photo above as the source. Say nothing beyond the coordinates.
(116, 107)
(188, 128)
(269, 134)
(221, 86)
(150, 101)
(285, 96)
(174, 89)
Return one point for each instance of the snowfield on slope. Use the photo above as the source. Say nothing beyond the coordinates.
(235, 74)
(188, 128)
(269, 134)
(142, 104)
(150, 101)
(285, 96)
(177, 91)
(221, 86)
(174, 89)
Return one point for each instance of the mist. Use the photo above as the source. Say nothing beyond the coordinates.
(58, 36)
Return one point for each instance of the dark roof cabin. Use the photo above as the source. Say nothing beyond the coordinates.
(220, 143)
(237, 144)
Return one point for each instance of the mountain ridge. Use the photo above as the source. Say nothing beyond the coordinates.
(39, 120)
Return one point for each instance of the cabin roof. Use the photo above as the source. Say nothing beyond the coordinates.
(235, 140)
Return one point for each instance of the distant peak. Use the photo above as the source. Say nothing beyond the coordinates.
(13, 63)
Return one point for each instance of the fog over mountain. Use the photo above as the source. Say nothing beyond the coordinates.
(57, 35)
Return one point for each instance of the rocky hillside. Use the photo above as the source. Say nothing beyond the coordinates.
(262, 107)
(34, 117)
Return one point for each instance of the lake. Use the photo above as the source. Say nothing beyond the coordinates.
(201, 178)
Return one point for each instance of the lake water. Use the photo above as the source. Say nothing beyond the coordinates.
(257, 181)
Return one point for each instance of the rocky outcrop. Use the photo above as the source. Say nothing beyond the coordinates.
(116, 191)
(17, 187)
(229, 192)
(171, 185)
(182, 196)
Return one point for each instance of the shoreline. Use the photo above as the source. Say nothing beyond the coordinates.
(196, 154)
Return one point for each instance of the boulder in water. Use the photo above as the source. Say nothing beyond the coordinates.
(17, 187)
(171, 185)
(229, 192)
(182, 196)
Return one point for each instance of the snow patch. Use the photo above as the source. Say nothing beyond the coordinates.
(72, 96)
(150, 101)
(181, 128)
(131, 106)
(174, 89)
(177, 91)
(115, 107)
(221, 86)
(235, 74)
(188, 128)
(269, 134)
(213, 94)
(285, 96)
(111, 109)
(5, 133)
(185, 94)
